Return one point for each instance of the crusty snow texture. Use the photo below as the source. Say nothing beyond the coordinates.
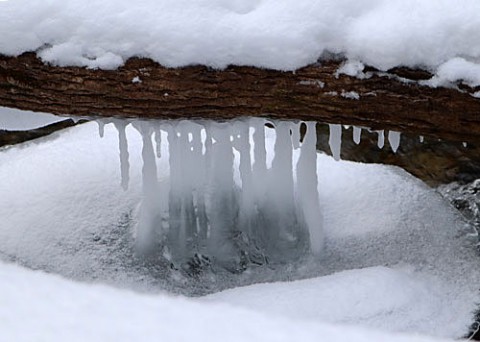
(279, 34)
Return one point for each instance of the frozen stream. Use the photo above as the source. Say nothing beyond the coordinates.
(388, 252)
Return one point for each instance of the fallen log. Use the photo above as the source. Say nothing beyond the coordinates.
(143, 88)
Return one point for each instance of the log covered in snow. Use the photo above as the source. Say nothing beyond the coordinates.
(142, 88)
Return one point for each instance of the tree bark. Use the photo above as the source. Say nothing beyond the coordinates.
(17, 137)
(143, 88)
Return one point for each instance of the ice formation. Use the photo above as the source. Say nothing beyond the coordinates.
(381, 139)
(394, 140)
(222, 203)
(123, 148)
(226, 200)
(335, 140)
(357, 134)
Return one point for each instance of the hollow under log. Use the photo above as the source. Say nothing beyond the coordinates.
(143, 88)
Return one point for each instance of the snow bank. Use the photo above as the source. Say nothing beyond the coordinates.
(40, 307)
(279, 34)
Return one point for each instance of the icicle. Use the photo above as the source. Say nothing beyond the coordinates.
(242, 145)
(335, 140)
(120, 125)
(394, 140)
(286, 236)
(198, 173)
(247, 213)
(381, 139)
(282, 162)
(260, 159)
(357, 133)
(101, 127)
(421, 139)
(295, 129)
(150, 213)
(158, 140)
(308, 188)
(222, 209)
(184, 152)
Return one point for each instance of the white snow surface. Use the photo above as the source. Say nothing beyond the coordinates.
(40, 307)
(396, 256)
(279, 34)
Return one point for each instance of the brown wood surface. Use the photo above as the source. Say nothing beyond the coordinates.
(199, 92)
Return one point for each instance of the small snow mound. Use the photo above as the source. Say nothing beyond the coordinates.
(455, 70)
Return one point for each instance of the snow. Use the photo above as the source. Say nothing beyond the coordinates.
(19, 120)
(457, 69)
(351, 68)
(352, 95)
(39, 307)
(279, 34)
(396, 291)
(396, 257)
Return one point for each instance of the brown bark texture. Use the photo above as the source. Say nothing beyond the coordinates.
(143, 88)
(17, 137)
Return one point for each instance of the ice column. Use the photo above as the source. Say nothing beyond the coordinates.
(307, 184)
(158, 140)
(335, 140)
(381, 139)
(101, 127)
(223, 204)
(187, 221)
(149, 232)
(357, 133)
(394, 140)
(286, 232)
(241, 143)
(260, 160)
(120, 125)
